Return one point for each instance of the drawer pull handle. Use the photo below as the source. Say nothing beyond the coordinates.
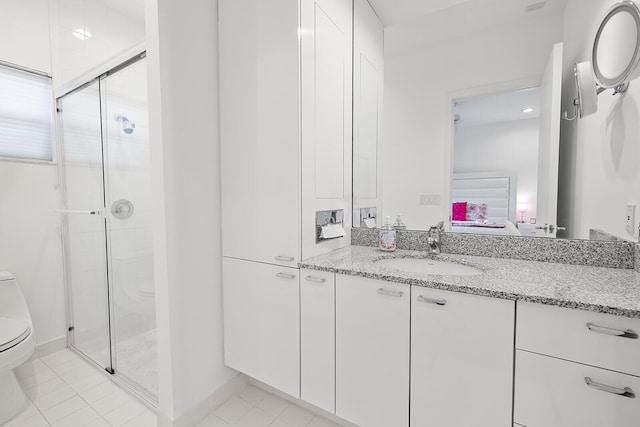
(626, 392)
(284, 258)
(610, 331)
(286, 276)
(315, 279)
(383, 291)
(432, 300)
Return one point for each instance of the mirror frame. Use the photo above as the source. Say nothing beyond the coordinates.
(619, 81)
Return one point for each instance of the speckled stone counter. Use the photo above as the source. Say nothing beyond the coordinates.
(567, 251)
(601, 289)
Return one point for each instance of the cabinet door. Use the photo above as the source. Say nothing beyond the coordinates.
(372, 352)
(317, 338)
(326, 116)
(555, 392)
(261, 322)
(461, 359)
(259, 130)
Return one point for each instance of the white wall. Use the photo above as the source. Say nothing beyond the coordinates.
(599, 154)
(185, 159)
(30, 245)
(508, 146)
(417, 121)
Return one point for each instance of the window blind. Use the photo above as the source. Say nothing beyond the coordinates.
(26, 115)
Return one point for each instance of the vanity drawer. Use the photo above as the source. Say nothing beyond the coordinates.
(553, 392)
(581, 336)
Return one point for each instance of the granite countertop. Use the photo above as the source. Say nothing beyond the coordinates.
(601, 289)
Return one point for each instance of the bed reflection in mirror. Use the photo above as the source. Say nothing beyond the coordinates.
(494, 186)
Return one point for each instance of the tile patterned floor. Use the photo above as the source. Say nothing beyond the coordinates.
(66, 391)
(254, 407)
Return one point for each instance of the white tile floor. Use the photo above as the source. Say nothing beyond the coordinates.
(254, 407)
(67, 391)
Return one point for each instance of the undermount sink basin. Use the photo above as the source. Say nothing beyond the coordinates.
(428, 266)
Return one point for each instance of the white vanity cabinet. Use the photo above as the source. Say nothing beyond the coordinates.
(262, 322)
(576, 368)
(461, 359)
(372, 351)
(317, 338)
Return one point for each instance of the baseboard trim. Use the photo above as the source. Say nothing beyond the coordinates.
(205, 407)
(302, 403)
(50, 347)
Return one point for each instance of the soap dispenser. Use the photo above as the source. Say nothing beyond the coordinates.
(387, 236)
(399, 225)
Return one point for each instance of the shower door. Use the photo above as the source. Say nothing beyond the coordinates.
(104, 160)
(85, 224)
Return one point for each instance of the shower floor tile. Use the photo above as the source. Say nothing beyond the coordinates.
(136, 360)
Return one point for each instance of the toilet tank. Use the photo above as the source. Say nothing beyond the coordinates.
(12, 302)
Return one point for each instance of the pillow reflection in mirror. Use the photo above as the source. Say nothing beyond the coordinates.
(476, 212)
(459, 211)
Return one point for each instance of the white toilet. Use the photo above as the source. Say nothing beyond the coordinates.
(17, 342)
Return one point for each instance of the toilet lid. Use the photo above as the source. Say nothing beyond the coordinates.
(12, 332)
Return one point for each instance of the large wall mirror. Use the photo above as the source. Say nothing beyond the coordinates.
(461, 101)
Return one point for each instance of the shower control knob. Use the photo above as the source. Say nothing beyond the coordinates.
(122, 209)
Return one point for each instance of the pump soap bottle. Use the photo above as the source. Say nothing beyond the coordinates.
(387, 236)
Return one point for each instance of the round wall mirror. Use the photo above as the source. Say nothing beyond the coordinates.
(616, 49)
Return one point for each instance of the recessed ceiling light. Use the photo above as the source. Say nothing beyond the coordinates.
(81, 34)
(527, 110)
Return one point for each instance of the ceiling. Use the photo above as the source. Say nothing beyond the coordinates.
(498, 108)
(394, 12)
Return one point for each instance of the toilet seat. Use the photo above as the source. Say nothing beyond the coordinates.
(12, 332)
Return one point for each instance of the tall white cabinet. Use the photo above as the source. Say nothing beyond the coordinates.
(285, 109)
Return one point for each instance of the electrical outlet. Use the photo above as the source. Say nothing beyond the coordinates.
(630, 220)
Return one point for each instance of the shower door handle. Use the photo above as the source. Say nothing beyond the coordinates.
(73, 211)
(122, 209)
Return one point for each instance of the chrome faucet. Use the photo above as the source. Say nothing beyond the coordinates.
(433, 237)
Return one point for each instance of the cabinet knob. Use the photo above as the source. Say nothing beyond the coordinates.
(315, 279)
(625, 392)
(286, 276)
(622, 333)
(387, 292)
(432, 300)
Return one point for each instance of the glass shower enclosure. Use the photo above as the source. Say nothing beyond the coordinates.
(105, 174)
